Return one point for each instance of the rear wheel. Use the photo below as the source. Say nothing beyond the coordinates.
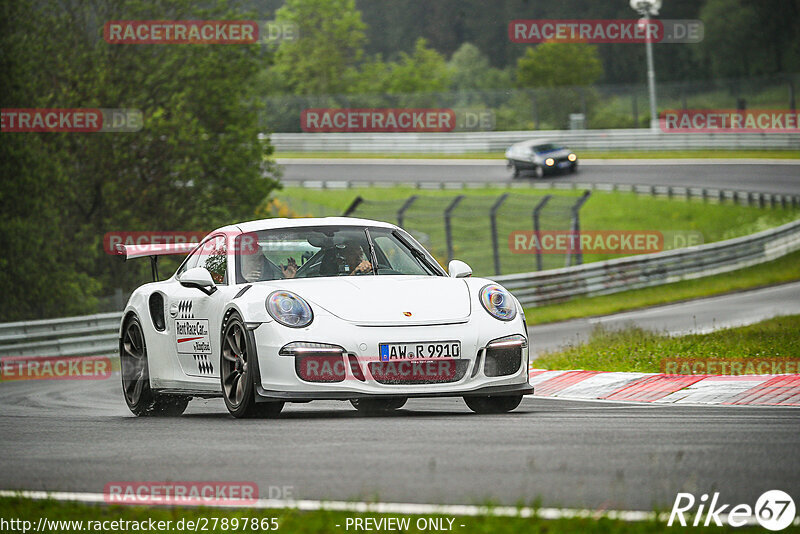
(139, 396)
(237, 369)
(374, 406)
(502, 404)
(538, 171)
(515, 171)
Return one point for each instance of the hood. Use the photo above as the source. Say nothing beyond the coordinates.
(385, 300)
(558, 153)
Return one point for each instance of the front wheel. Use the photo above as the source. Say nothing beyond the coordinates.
(538, 171)
(237, 368)
(373, 406)
(135, 372)
(515, 172)
(484, 405)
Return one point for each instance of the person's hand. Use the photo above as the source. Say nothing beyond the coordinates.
(290, 269)
(253, 276)
(363, 267)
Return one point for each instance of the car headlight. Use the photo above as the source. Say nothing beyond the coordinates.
(289, 309)
(498, 302)
(549, 162)
(572, 157)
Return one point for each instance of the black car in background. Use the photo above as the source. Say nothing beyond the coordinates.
(540, 156)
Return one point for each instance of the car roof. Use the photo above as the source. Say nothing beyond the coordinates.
(283, 222)
(534, 142)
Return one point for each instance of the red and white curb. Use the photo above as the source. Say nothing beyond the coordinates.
(757, 390)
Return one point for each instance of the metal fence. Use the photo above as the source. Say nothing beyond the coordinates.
(475, 228)
(468, 142)
(70, 336)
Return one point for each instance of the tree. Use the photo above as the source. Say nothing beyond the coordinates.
(559, 65)
(331, 39)
(197, 162)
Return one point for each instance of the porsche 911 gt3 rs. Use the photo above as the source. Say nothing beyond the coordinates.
(293, 310)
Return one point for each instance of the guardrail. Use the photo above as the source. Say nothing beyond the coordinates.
(707, 194)
(465, 142)
(68, 336)
(634, 272)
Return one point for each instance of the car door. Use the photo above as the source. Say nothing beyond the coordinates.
(196, 316)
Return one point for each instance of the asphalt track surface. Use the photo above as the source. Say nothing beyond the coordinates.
(694, 316)
(78, 436)
(750, 175)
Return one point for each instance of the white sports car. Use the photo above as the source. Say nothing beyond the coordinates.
(293, 310)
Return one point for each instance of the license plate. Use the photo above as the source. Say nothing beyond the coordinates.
(563, 164)
(423, 350)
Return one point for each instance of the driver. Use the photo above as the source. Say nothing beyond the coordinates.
(355, 260)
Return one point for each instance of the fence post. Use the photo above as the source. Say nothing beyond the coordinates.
(493, 221)
(576, 230)
(536, 229)
(402, 211)
(448, 231)
(353, 206)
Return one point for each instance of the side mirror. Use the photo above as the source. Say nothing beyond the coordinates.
(199, 278)
(459, 269)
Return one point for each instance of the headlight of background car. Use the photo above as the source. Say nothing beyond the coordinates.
(572, 157)
(498, 302)
(549, 162)
(289, 309)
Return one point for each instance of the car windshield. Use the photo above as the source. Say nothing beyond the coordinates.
(326, 251)
(547, 147)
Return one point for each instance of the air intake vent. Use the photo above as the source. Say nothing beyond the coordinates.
(157, 311)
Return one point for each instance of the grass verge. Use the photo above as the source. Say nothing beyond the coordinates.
(785, 269)
(642, 351)
(295, 521)
(583, 154)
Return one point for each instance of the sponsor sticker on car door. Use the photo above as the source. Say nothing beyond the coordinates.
(192, 336)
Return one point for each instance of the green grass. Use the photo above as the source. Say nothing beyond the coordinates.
(583, 154)
(292, 521)
(642, 351)
(785, 269)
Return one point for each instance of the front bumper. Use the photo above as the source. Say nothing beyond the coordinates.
(278, 378)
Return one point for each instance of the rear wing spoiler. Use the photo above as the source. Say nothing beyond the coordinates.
(130, 252)
(153, 251)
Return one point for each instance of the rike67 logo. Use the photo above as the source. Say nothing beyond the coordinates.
(774, 510)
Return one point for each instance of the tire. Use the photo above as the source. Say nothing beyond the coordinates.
(236, 373)
(376, 406)
(515, 173)
(538, 171)
(573, 168)
(135, 373)
(484, 405)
